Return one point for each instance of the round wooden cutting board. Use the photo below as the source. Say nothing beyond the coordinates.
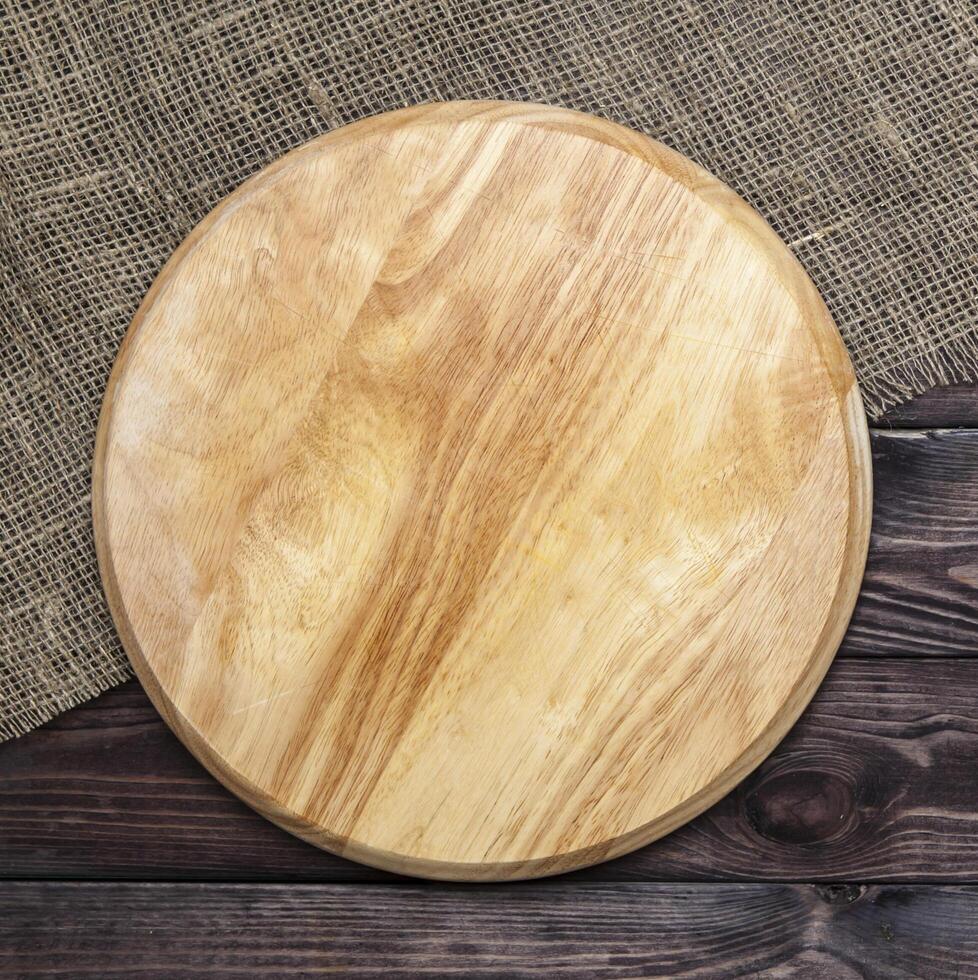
(482, 490)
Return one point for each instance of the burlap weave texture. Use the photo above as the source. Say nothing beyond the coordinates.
(851, 127)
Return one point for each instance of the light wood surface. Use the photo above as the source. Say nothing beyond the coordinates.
(481, 491)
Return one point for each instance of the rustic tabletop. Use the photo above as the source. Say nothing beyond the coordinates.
(853, 851)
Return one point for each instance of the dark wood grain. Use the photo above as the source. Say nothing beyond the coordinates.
(948, 407)
(877, 782)
(920, 593)
(559, 930)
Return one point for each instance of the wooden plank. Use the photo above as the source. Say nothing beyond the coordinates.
(877, 782)
(918, 596)
(556, 930)
(948, 407)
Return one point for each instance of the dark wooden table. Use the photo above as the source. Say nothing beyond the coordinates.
(852, 852)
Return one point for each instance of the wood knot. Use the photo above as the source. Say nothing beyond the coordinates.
(840, 894)
(800, 807)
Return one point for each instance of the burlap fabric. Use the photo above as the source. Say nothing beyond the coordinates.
(850, 126)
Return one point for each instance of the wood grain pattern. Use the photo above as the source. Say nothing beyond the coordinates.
(831, 932)
(877, 782)
(919, 596)
(482, 491)
(951, 406)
